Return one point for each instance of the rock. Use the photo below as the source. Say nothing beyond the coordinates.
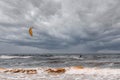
(13, 70)
(56, 70)
(30, 71)
(78, 67)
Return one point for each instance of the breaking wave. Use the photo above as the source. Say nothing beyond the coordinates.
(11, 57)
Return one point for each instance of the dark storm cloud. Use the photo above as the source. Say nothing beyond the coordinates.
(61, 24)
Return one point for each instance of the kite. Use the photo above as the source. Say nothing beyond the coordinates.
(30, 31)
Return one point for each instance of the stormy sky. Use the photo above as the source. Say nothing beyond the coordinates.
(63, 26)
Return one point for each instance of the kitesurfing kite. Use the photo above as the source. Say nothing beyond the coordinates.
(30, 31)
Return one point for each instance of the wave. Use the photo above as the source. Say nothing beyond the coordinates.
(11, 57)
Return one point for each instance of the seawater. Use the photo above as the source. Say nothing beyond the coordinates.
(59, 60)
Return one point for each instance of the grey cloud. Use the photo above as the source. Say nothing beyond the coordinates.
(61, 24)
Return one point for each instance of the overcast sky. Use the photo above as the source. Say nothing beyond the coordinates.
(63, 26)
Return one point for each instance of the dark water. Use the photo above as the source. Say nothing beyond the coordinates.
(63, 60)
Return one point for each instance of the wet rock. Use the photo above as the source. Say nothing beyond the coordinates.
(27, 71)
(31, 71)
(56, 70)
(78, 67)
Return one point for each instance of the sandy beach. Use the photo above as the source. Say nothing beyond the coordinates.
(70, 73)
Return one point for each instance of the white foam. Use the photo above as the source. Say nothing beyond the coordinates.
(71, 74)
(10, 57)
(103, 71)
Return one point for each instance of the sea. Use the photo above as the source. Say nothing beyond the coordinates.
(59, 60)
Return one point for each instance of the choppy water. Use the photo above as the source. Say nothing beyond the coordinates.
(48, 60)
